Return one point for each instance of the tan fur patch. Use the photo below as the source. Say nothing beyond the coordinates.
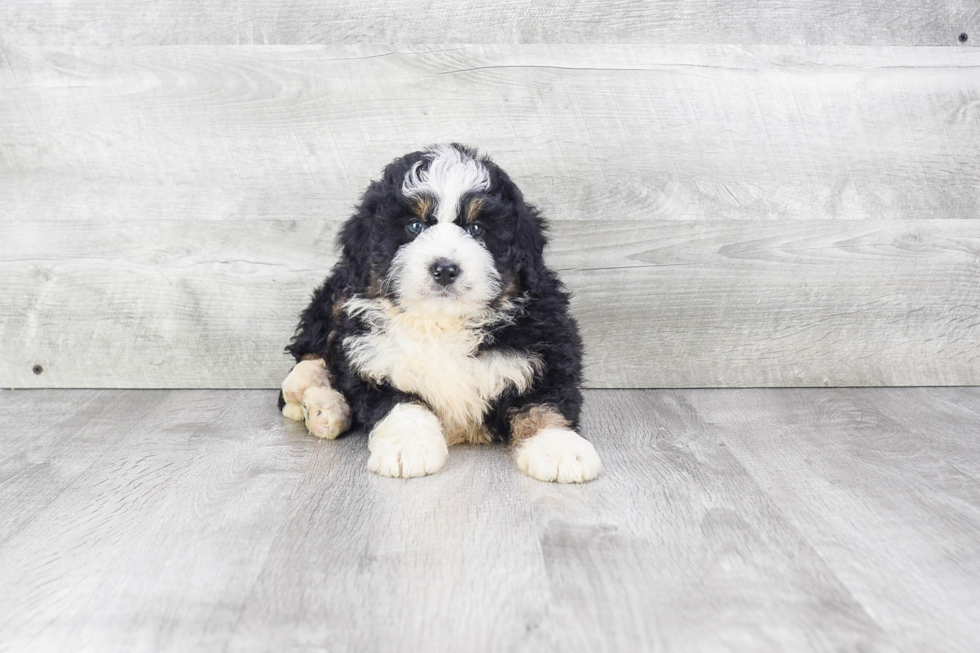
(375, 287)
(311, 372)
(535, 419)
(327, 376)
(474, 209)
(423, 206)
(513, 289)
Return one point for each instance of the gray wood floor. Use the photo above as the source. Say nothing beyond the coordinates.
(743, 520)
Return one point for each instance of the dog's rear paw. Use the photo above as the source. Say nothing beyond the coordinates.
(292, 411)
(558, 455)
(326, 412)
(407, 443)
(306, 374)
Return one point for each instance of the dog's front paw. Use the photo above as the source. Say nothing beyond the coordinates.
(408, 442)
(558, 455)
(326, 412)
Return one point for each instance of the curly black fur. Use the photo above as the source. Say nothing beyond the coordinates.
(515, 237)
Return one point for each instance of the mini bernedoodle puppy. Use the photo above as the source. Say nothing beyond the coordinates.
(440, 324)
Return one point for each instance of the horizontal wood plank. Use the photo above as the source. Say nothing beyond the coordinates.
(156, 22)
(637, 132)
(725, 215)
(180, 303)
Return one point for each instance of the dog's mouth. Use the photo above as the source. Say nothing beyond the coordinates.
(460, 298)
(455, 292)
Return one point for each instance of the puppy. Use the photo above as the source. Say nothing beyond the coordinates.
(440, 324)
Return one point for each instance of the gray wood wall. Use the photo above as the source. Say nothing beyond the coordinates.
(743, 193)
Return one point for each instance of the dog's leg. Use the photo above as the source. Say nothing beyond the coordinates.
(407, 442)
(309, 397)
(547, 448)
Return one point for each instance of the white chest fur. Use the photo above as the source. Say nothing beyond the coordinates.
(435, 357)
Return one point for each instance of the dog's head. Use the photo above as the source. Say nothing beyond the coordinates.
(444, 230)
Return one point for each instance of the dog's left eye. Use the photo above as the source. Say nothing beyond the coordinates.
(475, 229)
(415, 227)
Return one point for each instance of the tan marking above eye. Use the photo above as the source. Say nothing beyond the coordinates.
(423, 206)
(473, 210)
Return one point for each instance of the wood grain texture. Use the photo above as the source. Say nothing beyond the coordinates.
(763, 520)
(178, 303)
(676, 549)
(844, 466)
(161, 517)
(626, 132)
(739, 216)
(363, 564)
(819, 22)
(53, 438)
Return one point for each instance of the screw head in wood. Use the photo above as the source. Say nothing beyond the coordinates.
(37, 369)
(963, 37)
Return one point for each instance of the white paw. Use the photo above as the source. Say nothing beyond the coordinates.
(558, 455)
(408, 442)
(306, 374)
(326, 412)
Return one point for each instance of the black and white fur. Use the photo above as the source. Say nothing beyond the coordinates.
(440, 324)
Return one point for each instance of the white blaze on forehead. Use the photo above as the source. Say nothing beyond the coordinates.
(450, 175)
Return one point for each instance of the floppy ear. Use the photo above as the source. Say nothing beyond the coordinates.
(530, 233)
(358, 237)
(530, 239)
(355, 239)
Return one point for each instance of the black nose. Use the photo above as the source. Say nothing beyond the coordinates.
(445, 272)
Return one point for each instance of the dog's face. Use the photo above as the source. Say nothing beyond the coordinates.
(445, 230)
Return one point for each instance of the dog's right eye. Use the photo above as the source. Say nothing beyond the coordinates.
(415, 227)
